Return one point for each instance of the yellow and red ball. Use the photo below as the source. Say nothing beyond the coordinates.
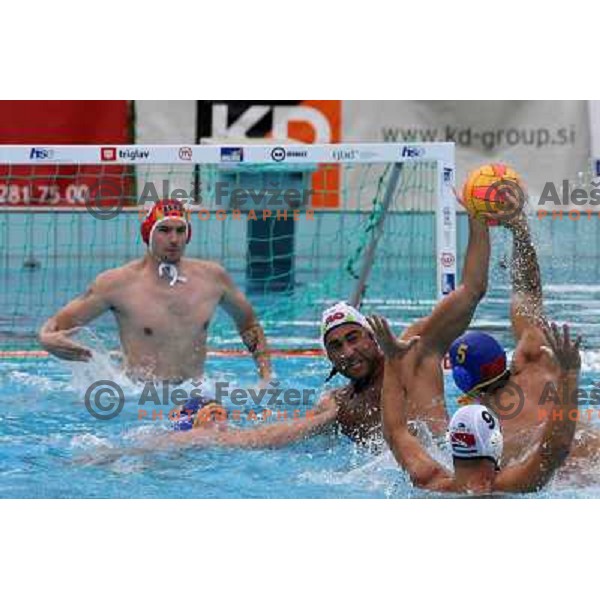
(486, 189)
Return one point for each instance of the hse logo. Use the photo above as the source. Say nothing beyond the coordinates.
(111, 154)
(412, 152)
(41, 154)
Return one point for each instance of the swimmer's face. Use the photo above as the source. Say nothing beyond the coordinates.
(169, 240)
(352, 351)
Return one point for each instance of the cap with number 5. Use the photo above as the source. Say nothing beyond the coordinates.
(477, 360)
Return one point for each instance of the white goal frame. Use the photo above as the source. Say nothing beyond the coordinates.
(269, 154)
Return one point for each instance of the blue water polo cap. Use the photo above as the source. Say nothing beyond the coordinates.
(477, 360)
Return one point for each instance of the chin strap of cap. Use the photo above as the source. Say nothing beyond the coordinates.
(170, 271)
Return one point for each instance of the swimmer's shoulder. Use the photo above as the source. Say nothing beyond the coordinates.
(532, 351)
(206, 269)
(339, 394)
(327, 403)
(113, 279)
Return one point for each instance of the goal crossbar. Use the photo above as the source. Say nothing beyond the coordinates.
(219, 154)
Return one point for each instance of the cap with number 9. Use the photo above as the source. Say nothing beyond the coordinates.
(474, 432)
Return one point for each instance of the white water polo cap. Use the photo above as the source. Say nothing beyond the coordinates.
(475, 432)
(339, 314)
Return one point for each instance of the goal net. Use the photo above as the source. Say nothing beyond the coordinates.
(298, 227)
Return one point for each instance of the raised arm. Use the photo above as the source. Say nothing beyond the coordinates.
(453, 314)
(251, 332)
(423, 470)
(557, 435)
(264, 436)
(213, 434)
(54, 334)
(526, 301)
(282, 434)
(526, 308)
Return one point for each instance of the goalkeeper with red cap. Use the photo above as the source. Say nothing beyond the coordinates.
(163, 304)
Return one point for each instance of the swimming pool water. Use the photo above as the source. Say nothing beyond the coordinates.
(51, 447)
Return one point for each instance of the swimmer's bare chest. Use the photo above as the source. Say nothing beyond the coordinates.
(423, 379)
(157, 315)
(359, 412)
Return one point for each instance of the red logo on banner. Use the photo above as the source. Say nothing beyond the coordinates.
(108, 154)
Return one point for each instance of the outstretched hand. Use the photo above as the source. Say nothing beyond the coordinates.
(60, 344)
(511, 215)
(389, 344)
(565, 350)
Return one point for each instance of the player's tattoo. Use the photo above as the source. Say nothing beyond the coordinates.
(254, 338)
(525, 272)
